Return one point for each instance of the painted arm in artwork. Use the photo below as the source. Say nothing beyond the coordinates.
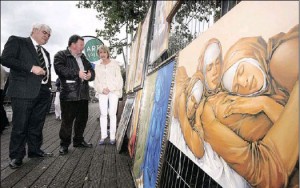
(250, 127)
(253, 105)
(192, 136)
(265, 163)
(198, 124)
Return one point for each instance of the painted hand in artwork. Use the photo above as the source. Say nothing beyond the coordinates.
(242, 105)
(253, 105)
(198, 124)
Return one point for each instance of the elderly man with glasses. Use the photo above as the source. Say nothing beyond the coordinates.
(29, 83)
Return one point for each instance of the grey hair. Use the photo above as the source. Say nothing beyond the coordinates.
(41, 26)
(105, 49)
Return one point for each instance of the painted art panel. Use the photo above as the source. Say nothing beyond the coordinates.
(218, 122)
(128, 78)
(134, 123)
(123, 124)
(170, 6)
(134, 50)
(157, 125)
(143, 127)
(140, 70)
(159, 43)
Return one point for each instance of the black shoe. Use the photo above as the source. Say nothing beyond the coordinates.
(40, 154)
(63, 150)
(83, 144)
(15, 163)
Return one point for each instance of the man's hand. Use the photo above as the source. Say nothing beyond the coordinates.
(85, 75)
(82, 74)
(37, 70)
(88, 75)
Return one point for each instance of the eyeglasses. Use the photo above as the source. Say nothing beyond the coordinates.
(46, 33)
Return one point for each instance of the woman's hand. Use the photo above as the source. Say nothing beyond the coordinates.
(105, 91)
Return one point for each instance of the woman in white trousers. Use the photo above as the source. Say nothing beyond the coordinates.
(57, 106)
(108, 85)
(57, 100)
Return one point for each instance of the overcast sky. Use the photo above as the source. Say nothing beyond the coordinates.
(64, 18)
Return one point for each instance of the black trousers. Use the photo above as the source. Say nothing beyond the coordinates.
(28, 121)
(77, 112)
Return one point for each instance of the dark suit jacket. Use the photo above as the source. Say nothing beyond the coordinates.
(19, 54)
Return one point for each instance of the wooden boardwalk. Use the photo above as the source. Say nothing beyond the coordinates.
(100, 166)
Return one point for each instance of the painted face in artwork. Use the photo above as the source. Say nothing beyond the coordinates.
(194, 99)
(212, 66)
(248, 79)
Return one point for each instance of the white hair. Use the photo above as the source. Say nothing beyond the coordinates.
(41, 26)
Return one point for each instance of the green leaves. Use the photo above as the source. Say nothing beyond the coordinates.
(117, 16)
(125, 15)
(190, 10)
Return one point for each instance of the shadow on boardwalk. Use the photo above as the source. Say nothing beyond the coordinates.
(100, 166)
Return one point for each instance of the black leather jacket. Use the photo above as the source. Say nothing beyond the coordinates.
(72, 87)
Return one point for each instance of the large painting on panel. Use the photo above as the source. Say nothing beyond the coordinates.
(157, 125)
(159, 43)
(134, 123)
(143, 126)
(123, 124)
(171, 5)
(236, 99)
(134, 50)
(140, 68)
(146, 162)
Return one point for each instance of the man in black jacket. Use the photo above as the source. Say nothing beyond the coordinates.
(74, 72)
(29, 83)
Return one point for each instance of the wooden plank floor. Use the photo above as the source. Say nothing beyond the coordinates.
(100, 166)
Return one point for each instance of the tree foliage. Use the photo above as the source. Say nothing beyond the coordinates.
(118, 15)
(194, 10)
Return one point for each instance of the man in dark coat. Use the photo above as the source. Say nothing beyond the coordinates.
(74, 72)
(29, 84)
